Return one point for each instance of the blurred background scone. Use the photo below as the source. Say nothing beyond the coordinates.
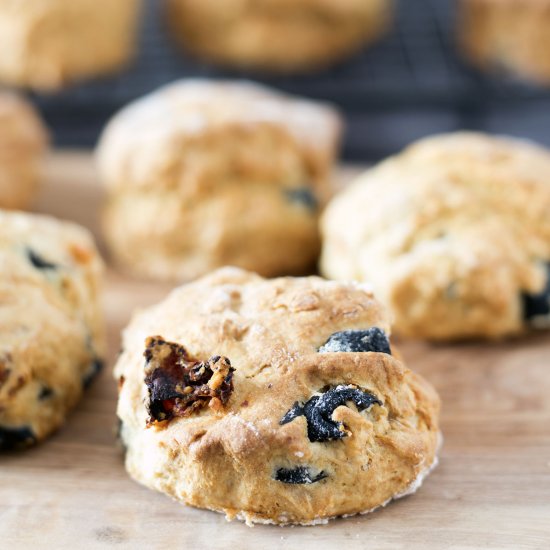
(51, 329)
(46, 43)
(203, 174)
(508, 34)
(23, 143)
(278, 35)
(454, 233)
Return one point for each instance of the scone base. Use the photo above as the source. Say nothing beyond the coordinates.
(250, 518)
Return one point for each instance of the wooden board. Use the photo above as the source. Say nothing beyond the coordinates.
(491, 490)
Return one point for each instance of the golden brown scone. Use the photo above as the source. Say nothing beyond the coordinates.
(454, 234)
(277, 35)
(44, 44)
(23, 143)
(273, 401)
(509, 34)
(51, 330)
(202, 174)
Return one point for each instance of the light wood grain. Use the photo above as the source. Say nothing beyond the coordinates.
(491, 490)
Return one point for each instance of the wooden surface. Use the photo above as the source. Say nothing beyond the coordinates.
(491, 490)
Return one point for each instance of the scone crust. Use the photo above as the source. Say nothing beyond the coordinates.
(51, 329)
(23, 143)
(209, 167)
(452, 233)
(271, 330)
(288, 36)
(129, 151)
(513, 35)
(49, 43)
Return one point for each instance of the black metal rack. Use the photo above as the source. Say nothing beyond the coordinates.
(410, 84)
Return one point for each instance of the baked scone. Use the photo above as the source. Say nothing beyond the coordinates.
(277, 35)
(273, 401)
(454, 235)
(23, 143)
(51, 333)
(508, 34)
(202, 174)
(45, 44)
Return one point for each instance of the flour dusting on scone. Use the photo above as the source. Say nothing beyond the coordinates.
(454, 234)
(51, 329)
(275, 401)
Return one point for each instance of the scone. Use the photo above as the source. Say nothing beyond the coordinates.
(202, 174)
(509, 34)
(273, 401)
(51, 333)
(46, 43)
(454, 234)
(23, 142)
(277, 35)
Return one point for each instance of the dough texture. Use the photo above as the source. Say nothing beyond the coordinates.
(244, 404)
(202, 174)
(454, 235)
(51, 328)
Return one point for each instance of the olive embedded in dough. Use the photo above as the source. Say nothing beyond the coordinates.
(372, 339)
(318, 411)
(301, 475)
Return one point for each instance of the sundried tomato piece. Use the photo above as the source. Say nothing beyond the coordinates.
(180, 385)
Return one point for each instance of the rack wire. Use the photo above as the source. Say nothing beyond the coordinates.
(413, 75)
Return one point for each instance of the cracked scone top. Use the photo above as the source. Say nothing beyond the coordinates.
(454, 234)
(51, 331)
(44, 44)
(277, 35)
(275, 401)
(202, 174)
(23, 143)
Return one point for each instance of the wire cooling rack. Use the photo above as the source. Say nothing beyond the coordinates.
(410, 84)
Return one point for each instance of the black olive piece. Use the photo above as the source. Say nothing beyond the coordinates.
(96, 366)
(303, 196)
(39, 262)
(45, 393)
(301, 475)
(118, 434)
(371, 339)
(16, 438)
(538, 305)
(296, 411)
(318, 411)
